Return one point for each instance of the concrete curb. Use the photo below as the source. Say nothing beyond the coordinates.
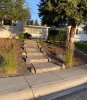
(57, 89)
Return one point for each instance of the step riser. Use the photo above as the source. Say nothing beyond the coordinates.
(31, 43)
(34, 54)
(31, 50)
(30, 47)
(46, 70)
(36, 61)
(39, 61)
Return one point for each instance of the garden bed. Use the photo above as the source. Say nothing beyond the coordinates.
(59, 50)
(11, 63)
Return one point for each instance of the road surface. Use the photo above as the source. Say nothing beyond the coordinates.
(80, 95)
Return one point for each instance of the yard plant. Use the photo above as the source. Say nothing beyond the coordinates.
(57, 35)
(9, 50)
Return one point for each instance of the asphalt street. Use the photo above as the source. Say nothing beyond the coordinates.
(80, 95)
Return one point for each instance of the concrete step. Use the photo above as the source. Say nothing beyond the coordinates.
(31, 43)
(34, 54)
(38, 57)
(41, 60)
(28, 41)
(31, 50)
(45, 67)
(30, 46)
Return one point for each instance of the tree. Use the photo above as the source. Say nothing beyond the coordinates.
(13, 10)
(31, 22)
(36, 22)
(29, 19)
(74, 12)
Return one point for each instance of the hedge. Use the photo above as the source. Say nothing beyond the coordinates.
(57, 35)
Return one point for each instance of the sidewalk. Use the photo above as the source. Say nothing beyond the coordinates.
(38, 86)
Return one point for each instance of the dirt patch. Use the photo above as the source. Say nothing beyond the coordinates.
(59, 49)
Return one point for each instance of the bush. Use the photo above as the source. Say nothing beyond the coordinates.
(21, 36)
(10, 63)
(9, 49)
(41, 41)
(57, 35)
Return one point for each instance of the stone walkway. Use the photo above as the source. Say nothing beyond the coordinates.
(37, 59)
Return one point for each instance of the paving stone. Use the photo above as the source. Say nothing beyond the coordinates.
(45, 67)
(34, 54)
(28, 41)
(44, 60)
(38, 57)
(31, 50)
(31, 46)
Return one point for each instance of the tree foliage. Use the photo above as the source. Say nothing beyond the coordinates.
(36, 22)
(53, 12)
(13, 9)
(73, 12)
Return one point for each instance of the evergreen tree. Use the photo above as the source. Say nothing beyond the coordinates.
(74, 12)
(13, 10)
(31, 22)
(36, 23)
(29, 19)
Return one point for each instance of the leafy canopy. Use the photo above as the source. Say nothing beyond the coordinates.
(13, 9)
(53, 12)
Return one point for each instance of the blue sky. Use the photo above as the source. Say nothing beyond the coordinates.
(34, 9)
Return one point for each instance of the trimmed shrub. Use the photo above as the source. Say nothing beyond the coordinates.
(57, 35)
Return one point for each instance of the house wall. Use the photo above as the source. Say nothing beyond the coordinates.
(37, 32)
(11, 31)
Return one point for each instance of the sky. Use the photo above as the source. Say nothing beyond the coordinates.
(34, 9)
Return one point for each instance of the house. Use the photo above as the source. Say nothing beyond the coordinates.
(7, 31)
(37, 31)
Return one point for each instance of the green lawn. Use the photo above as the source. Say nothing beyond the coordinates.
(82, 46)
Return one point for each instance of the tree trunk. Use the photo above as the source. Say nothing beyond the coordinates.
(70, 45)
